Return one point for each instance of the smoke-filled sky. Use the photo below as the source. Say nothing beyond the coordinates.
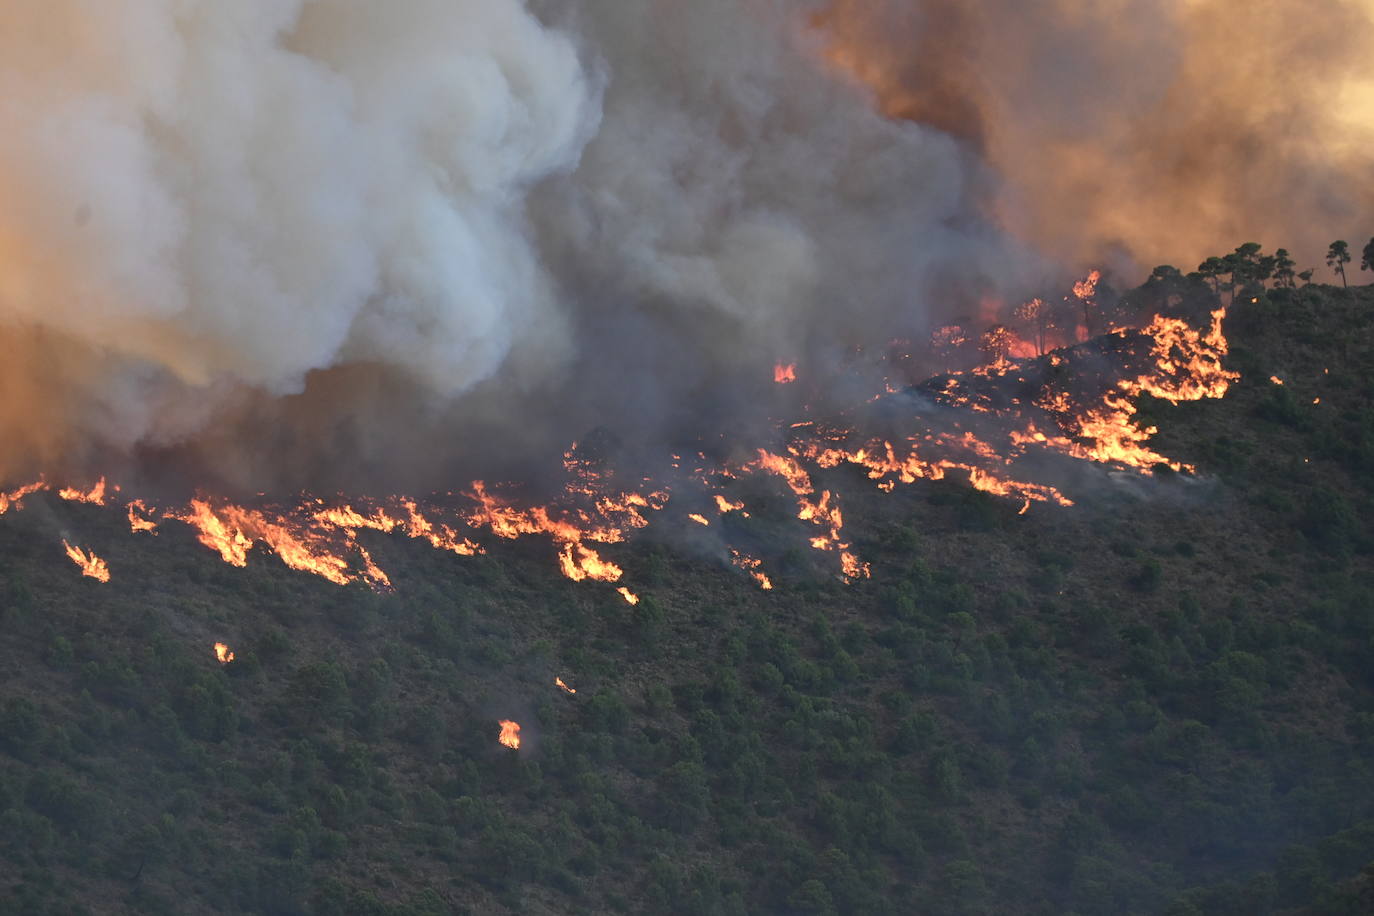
(290, 237)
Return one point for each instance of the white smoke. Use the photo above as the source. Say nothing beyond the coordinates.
(205, 202)
(248, 191)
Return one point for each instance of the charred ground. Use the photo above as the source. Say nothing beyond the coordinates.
(1159, 700)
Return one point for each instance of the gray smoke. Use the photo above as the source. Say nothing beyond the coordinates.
(304, 238)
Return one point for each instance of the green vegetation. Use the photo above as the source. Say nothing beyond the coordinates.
(1159, 701)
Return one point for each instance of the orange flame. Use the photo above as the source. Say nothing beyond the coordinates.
(233, 530)
(607, 522)
(725, 506)
(1185, 365)
(579, 562)
(823, 511)
(91, 565)
(14, 498)
(558, 682)
(785, 373)
(510, 734)
(95, 495)
(223, 654)
(754, 567)
(1087, 287)
(139, 517)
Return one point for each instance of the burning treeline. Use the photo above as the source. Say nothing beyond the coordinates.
(1019, 428)
(406, 255)
(656, 202)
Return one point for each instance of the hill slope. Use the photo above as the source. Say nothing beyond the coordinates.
(1096, 709)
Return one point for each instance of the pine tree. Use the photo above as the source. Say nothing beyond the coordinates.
(1337, 257)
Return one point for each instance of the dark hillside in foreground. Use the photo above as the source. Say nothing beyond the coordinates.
(1160, 700)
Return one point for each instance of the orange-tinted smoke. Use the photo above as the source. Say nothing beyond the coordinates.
(1138, 133)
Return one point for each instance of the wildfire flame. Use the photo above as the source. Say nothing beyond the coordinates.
(91, 565)
(726, 506)
(233, 530)
(785, 373)
(324, 538)
(223, 654)
(95, 495)
(1087, 287)
(754, 567)
(558, 682)
(510, 734)
(823, 511)
(140, 517)
(14, 498)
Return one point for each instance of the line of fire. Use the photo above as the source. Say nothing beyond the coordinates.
(1019, 424)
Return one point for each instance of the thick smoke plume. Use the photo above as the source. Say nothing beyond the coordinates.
(342, 241)
(1140, 131)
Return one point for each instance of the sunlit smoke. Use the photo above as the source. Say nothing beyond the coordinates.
(1148, 132)
(324, 243)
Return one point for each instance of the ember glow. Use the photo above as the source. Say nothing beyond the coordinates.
(510, 734)
(223, 654)
(91, 565)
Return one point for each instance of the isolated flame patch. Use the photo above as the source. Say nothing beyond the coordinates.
(91, 565)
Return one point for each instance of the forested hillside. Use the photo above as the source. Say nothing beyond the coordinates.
(1160, 700)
